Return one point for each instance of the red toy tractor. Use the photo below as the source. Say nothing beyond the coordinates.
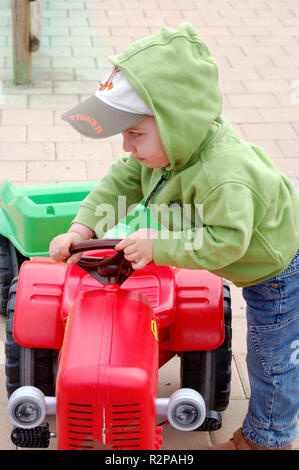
(85, 342)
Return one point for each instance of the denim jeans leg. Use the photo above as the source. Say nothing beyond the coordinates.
(273, 359)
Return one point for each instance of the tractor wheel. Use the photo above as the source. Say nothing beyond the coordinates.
(209, 372)
(224, 356)
(26, 366)
(10, 262)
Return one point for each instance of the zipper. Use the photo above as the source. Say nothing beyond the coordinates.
(160, 182)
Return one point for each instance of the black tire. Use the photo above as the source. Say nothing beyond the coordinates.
(10, 263)
(224, 356)
(26, 366)
(209, 372)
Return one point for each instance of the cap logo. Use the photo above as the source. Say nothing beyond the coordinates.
(89, 119)
(109, 83)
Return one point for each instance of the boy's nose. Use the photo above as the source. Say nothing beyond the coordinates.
(127, 145)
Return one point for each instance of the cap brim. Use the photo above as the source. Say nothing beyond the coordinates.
(95, 119)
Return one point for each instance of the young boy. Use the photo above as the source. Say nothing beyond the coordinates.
(163, 96)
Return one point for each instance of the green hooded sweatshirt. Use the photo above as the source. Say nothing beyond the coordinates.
(249, 210)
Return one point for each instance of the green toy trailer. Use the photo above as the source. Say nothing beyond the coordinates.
(30, 216)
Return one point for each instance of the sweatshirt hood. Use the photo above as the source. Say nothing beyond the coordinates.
(176, 76)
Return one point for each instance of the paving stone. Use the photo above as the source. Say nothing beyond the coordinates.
(13, 101)
(296, 127)
(43, 133)
(231, 86)
(75, 87)
(232, 419)
(266, 86)
(66, 5)
(251, 100)
(26, 116)
(95, 74)
(242, 115)
(54, 13)
(238, 303)
(11, 171)
(240, 360)
(56, 171)
(37, 62)
(280, 114)
(271, 146)
(35, 88)
(92, 51)
(91, 151)
(54, 74)
(74, 62)
(90, 31)
(5, 425)
(288, 97)
(52, 101)
(237, 390)
(288, 73)
(71, 40)
(288, 166)
(12, 134)
(96, 169)
(55, 30)
(53, 52)
(239, 328)
(266, 131)
(26, 151)
(178, 440)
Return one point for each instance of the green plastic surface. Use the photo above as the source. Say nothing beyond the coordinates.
(31, 216)
(139, 217)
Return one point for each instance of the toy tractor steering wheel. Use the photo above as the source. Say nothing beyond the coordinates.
(114, 269)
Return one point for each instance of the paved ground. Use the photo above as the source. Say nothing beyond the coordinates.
(256, 44)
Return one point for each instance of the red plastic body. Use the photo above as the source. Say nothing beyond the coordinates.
(106, 388)
(112, 341)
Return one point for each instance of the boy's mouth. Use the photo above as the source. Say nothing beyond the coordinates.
(140, 159)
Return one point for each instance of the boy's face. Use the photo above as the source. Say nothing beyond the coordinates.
(143, 141)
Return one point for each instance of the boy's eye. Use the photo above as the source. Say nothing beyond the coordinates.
(135, 134)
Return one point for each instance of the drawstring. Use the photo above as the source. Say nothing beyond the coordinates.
(161, 181)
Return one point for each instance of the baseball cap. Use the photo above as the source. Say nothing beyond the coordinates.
(114, 108)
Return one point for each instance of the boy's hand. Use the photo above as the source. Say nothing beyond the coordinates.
(138, 247)
(59, 249)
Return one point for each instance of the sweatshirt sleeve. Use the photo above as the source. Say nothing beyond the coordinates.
(223, 237)
(100, 210)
